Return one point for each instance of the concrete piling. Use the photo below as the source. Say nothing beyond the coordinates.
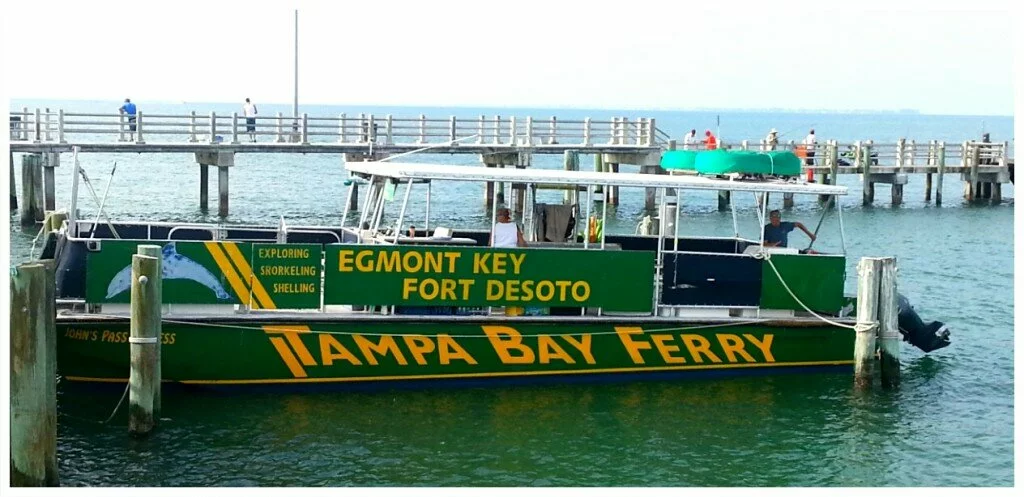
(613, 191)
(204, 187)
(33, 337)
(51, 160)
(144, 342)
(888, 321)
(222, 187)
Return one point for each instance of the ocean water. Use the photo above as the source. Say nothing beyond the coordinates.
(949, 424)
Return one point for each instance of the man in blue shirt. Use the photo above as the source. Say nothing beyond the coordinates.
(776, 232)
(129, 108)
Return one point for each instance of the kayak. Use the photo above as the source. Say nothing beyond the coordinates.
(722, 162)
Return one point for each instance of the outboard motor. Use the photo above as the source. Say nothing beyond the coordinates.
(927, 337)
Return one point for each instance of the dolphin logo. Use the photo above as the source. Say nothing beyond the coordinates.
(174, 266)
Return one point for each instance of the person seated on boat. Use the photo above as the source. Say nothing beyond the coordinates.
(776, 232)
(506, 232)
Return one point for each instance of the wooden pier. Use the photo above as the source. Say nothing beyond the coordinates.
(498, 141)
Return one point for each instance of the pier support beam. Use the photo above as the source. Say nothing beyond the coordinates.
(33, 336)
(50, 161)
(223, 161)
(897, 194)
(864, 159)
(724, 198)
(144, 342)
(940, 157)
(14, 191)
(613, 191)
(353, 201)
(570, 162)
(787, 200)
(204, 187)
(222, 187)
(928, 187)
(31, 189)
(997, 193)
(650, 194)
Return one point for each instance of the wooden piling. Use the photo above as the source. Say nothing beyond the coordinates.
(31, 190)
(50, 161)
(33, 376)
(928, 187)
(156, 252)
(144, 342)
(888, 321)
(14, 194)
(222, 186)
(204, 187)
(868, 273)
(940, 157)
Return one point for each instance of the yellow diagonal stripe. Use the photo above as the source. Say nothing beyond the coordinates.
(291, 334)
(229, 272)
(243, 266)
(289, 358)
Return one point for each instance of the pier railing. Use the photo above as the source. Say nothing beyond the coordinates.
(61, 126)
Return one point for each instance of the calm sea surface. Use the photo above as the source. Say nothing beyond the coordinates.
(950, 423)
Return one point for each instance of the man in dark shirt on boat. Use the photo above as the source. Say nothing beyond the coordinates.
(776, 232)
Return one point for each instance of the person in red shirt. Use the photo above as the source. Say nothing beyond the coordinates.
(710, 143)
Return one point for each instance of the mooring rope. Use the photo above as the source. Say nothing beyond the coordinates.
(859, 327)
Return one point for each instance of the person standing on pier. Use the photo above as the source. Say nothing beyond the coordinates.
(771, 142)
(710, 142)
(690, 140)
(129, 108)
(249, 109)
(809, 143)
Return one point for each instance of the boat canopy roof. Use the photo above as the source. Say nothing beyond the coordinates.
(404, 171)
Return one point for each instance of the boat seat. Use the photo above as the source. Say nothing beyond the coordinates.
(754, 249)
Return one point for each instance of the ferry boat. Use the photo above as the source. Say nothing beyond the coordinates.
(369, 304)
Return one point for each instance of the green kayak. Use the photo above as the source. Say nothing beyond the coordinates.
(720, 162)
(679, 159)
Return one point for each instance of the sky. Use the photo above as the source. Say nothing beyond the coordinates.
(937, 57)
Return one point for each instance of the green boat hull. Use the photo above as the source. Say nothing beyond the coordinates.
(424, 350)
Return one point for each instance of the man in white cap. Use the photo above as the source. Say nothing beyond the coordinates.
(771, 142)
(809, 143)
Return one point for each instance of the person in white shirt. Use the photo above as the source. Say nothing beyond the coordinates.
(809, 143)
(506, 232)
(690, 140)
(249, 109)
(771, 142)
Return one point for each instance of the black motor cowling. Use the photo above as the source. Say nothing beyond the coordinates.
(927, 337)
